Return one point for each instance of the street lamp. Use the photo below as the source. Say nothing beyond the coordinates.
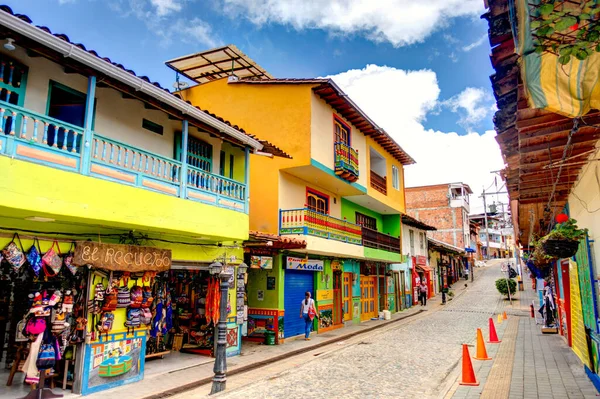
(220, 368)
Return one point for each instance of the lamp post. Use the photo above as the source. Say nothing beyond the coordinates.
(220, 368)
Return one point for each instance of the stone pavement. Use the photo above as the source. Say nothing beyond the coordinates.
(528, 364)
(410, 359)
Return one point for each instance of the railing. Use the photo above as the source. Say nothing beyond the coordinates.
(346, 161)
(308, 222)
(374, 239)
(24, 132)
(27, 135)
(202, 180)
(379, 183)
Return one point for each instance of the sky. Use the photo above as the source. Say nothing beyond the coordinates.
(419, 69)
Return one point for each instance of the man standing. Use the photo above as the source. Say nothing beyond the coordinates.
(423, 290)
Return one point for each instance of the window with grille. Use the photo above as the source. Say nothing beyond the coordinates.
(200, 154)
(316, 201)
(366, 221)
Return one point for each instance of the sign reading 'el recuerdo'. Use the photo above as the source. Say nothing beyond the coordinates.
(121, 257)
(311, 265)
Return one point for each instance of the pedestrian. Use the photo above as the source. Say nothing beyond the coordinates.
(423, 293)
(308, 313)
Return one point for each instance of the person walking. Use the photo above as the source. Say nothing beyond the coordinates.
(423, 293)
(308, 313)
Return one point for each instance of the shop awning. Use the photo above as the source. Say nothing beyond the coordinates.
(424, 269)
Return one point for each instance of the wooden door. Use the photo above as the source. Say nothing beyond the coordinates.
(338, 311)
(368, 296)
(347, 296)
(402, 288)
(398, 293)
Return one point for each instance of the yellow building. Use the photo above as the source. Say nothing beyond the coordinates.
(342, 191)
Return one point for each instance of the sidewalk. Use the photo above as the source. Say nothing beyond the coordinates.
(255, 355)
(527, 364)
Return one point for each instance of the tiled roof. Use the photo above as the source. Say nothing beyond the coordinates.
(277, 242)
(268, 147)
(410, 221)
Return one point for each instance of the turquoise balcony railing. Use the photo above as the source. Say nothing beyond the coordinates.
(27, 135)
(308, 222)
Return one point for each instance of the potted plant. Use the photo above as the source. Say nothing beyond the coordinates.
(503, 286)
(538, 256)
(563, 240)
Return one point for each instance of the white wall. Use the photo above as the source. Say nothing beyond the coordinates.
(116, 117)
(406, 241)
(292, 194)
(322, 137)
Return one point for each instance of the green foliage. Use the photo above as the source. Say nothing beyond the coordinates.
(566, 231)
(553, 23)
(502, 287)
(450, 294)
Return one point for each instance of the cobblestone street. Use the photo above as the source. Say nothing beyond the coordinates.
(413, 359)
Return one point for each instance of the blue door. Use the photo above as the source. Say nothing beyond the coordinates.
(297, 282)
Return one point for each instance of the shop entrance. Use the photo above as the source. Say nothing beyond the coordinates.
(297, 282)
(402, 289)
(368, 296)
(338, 311)
(347, 300)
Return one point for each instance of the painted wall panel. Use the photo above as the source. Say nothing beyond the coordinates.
(349, 210)
(394, 198)
(292, 195)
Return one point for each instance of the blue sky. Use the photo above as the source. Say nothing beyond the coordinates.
(436, 52)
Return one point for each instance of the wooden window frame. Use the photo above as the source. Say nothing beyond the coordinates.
(343, 125)
(395, 177)
(359, 216)
(153, 127)
(320, 195)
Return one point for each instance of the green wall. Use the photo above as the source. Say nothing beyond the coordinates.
(380, 254)
(388, 224)
(391, 225)
(257, 280)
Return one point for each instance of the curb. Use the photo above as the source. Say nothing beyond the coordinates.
(261, 363)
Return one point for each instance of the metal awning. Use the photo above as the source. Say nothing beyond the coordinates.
(218, 63)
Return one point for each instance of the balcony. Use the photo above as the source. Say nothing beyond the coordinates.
(379, 183)
(376, 240)
(346, 161)
(30, 136)
(308, 222)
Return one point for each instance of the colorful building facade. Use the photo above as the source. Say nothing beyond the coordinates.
(342, 191)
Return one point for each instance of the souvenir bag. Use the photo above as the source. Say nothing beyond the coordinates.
(67, 305)
(13, 253)
(123, 295)
(137, 297)
(52, 262)
(59, 324)
(46, 357)
(35, 325)
(147, 297)
(68, 260)
(110, 297)
(34, 257)
(146, 316)
(134, 319)
(105, 324)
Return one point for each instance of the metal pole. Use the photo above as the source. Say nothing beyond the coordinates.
(487, 233)
(220, 368)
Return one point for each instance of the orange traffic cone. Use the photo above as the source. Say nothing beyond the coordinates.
(499, 319)
(504, 316)
(481, 352)
(468, 375)
(493, 336)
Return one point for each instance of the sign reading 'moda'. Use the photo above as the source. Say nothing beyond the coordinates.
(121, 257)
(304, 264)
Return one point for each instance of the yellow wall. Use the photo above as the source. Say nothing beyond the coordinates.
(322, 138)
(394, 198)
(71, 197)
(279, 114)
(292, 194)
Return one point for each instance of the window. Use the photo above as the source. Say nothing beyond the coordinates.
(316, 201)
(395, 177)
(153, 127)
(231, 166)
(66, 104)
(366, 221)
(422, 240)
(341, 131)
(222, 163)
(411, 237)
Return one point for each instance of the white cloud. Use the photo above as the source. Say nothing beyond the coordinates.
(399, 22)
(399, 101)
(453, 57)
(472, 104)
(194, 31)
(166, 7)
(475, 44)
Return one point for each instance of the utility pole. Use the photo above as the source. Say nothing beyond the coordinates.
(487, 233)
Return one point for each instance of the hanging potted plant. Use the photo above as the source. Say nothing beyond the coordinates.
(539, 257)
(563, 240)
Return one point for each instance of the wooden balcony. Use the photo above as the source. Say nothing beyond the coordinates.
(374, 239)
(379, 183)
(346, 161)
(30, 136)
(308, 222)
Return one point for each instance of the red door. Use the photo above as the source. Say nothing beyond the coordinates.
(338, 308)
(565, 303)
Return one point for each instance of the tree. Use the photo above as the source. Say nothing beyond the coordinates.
(502, 288)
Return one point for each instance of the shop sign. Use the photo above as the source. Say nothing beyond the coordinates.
(421, 260)
(121, 257)
(324, 295)
(305, 264)
(261, 262)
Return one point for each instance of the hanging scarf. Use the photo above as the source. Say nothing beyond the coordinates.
(156, 322)
(216, 302)
(207, 302)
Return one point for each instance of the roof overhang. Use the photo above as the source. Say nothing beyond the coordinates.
(410, 221)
